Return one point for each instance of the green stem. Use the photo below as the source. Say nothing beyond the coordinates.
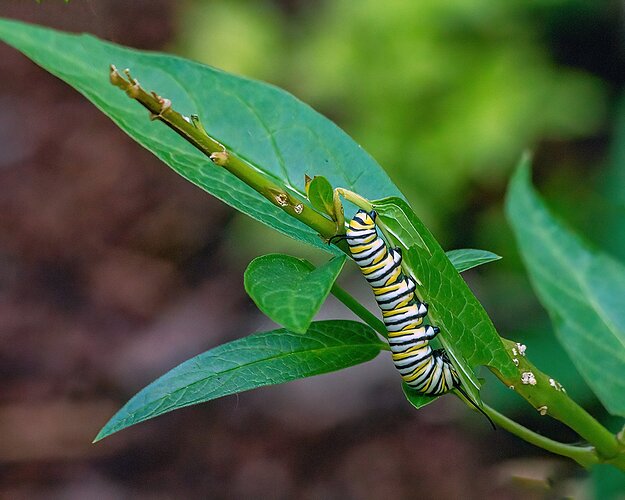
(618, 462)
(549, 398)
(621, 437)
(355, 198)
(585, 456)
(160, 109)
(359, 310)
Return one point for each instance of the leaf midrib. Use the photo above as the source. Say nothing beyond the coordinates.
(248, 364)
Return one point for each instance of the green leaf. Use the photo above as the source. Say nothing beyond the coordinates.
(582, 289)
(290, 290)
(415, 398)
(612, 186)
(262, 124)
(321, 195)
(467, 332)
(258, 360)
(608, 482)
(468, 258)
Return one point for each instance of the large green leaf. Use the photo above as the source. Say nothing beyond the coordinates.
(468, 258)
(467, 332)
(582, 289)
(290, 290)
(267, 126)
(258, 360)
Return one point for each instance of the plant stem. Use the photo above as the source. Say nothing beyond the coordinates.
(355, 198)
(359, 310)
(191, 129)
(549, 398)
(585, 456)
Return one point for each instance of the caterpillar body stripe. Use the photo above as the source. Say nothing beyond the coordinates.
(426, 370)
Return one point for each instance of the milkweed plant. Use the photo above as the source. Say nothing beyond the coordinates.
(267, 154)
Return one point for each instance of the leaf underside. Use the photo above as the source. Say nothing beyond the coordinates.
(259, 360)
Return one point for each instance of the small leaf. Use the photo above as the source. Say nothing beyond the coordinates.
(290, 290)
(467, 333)
(258, 360)
(415, 398)
(274, 131)
(468, 258)
(582, 289)
(321, 195)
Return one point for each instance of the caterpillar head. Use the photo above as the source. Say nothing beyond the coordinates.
(363, 220)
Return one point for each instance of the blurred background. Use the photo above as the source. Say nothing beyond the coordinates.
(112, 267)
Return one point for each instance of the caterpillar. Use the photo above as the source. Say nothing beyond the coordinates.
(426, 370)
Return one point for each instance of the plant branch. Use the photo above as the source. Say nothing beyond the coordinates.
(585, 456)
(550, 398)
(192, 130)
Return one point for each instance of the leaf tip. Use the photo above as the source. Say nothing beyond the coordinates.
(100, 436)
(111, 427)
(520, 183)
(524, 167)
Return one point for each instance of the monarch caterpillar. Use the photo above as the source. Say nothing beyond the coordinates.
(426, 370)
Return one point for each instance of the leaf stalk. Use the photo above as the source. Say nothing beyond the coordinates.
(585, 456)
